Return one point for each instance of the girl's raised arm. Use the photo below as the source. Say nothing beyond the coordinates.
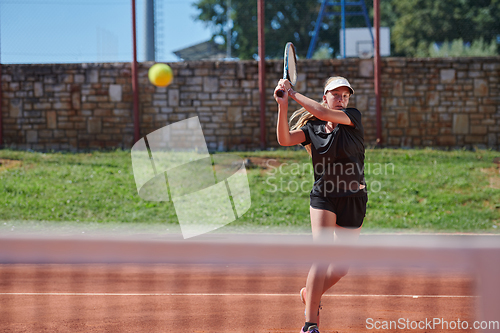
(284, 135)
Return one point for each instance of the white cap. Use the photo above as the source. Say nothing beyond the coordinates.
(340, 82)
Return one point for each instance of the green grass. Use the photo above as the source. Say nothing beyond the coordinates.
(410, 190)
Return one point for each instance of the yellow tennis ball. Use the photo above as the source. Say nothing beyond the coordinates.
(160, 75)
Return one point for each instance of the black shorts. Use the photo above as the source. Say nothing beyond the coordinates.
(350, 211)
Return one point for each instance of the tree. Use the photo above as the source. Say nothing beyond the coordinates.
(421, 23)
(285, 20)
(457, 48)
(415, 25)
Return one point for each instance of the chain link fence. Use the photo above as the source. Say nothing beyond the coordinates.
(76, 31)
(57, 31)
(93, 31)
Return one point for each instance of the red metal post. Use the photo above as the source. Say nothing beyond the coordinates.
(262, 73)
(1, 100)
(1, 109)
(135, 83)
(376, 23)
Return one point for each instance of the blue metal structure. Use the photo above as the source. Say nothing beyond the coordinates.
(343, 13)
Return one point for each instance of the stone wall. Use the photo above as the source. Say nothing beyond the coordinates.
(441, 102)
(67, 107)
(425, 102)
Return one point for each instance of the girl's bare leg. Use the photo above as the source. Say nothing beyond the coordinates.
(334, 273)
(322, 224)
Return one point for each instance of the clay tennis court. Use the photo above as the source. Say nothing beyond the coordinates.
(202, 298)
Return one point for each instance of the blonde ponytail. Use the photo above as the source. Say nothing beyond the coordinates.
(300, 118)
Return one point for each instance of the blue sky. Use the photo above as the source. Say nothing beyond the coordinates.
(73, 31)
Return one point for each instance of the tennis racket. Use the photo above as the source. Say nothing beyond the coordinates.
(289, 67)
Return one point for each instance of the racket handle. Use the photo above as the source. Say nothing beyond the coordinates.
(280, 93)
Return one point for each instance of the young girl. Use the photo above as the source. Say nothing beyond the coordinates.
(333, 136)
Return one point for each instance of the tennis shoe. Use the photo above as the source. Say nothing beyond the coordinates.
(311, 329)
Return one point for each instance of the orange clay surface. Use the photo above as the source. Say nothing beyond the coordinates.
(168, 298)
